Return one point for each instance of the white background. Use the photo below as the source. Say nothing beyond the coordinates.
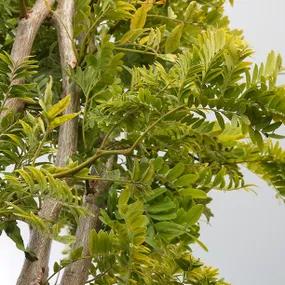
(246, 238)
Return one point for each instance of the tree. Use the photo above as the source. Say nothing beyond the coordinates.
(117, 119)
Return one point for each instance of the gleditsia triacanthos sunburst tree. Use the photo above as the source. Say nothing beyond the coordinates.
(165, 105)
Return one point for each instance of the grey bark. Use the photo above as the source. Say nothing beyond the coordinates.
(77, 272)
(35, 273)
(25, 36)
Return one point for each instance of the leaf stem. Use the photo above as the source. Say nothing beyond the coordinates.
(99, 153)
(135, 51)
(39, 148)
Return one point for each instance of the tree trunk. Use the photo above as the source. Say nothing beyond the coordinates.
(35, 273)
(24, 39)
(77, 272)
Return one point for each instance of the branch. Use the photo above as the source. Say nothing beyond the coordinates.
(63, 16)
(98, 276)
(99, 153)
(24, 39)
(136, 51)
(109, 133)
(77, 273)
(40, 243)
(174, 20)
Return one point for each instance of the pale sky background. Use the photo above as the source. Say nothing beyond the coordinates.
(246, 238)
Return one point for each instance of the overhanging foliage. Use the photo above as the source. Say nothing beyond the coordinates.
(168, 92)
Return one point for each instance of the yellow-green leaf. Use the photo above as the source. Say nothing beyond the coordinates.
(190, 10)
(58, 108)
(76, 253)
(195, 213)
(194, 193)
(173, 41)
(48, 94)
(131, 36)
(123, 200)
(186, 180)
(92, 241)
(61, 120)
(176, 171)
(139, 18)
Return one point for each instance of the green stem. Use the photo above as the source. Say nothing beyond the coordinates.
(111, 180)
(51, 276)
(135, 51)
(98, 276)
(83, 121)
(86, 38)
(173, 20)
(140, 46)
(109, 133)
(39, 148)
(99, 153)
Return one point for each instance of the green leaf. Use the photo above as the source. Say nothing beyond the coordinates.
(276, 136)
(38, 176)
(190, 10)
(219, 179)
(148, 175)
(58, 121)
(158, 163)
(131, 36)
(162, 206)
(28, 130)
(195, 213)
(28, 179)
(168, 57)
(256, 137)
(194, 193)
(92, 241)
(173, 41)
(136, 170)
(31, 256)
(48, 95)
(220, 120)
(76, 253)
(272, 127)
(105, 218)
(139, 18)
(58, 108)
(176, 171)
(123, 200)
(164, 216)
(186, 180)
(56, 267)
(200, 243)
(170, 227)
(14, 233)
(154, 194)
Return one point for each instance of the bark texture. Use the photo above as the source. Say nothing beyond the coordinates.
(24, 39)
(35, 273)
(77, 272)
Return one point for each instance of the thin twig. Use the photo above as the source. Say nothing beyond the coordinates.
(98, 276)
(99, 153)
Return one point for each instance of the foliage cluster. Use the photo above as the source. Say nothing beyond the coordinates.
(168, 90)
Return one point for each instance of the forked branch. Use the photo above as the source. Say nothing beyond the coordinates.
(100, 152)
